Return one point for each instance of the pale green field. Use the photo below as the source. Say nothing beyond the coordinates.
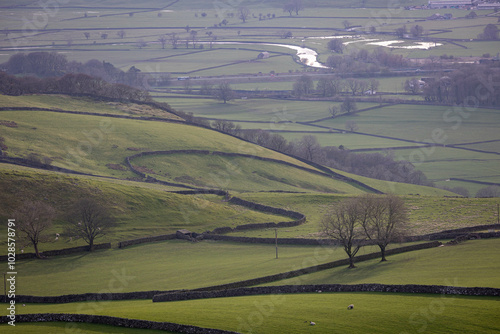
(240, 174)
(287, 313)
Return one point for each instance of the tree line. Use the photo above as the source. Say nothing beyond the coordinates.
(70, 84)
(52, 64)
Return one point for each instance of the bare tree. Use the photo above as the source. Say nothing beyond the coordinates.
(288, 8)
(87, 35)
(224, 92)
(344, 224)
(33, 219)
(297, 6)
(336, 45)
(309, 147)
(303, 86)
(334, 110)
(163, 40)
(412, 86)
(89, 220)
(243, 13)
(346, 24)
(351, 126)
(387, 219)
(193, 34)
(416, 30)
(401, 32)
(348, 106)
(121, 33)
(174, 40)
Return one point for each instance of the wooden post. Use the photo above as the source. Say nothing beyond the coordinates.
(5, 286)
(276, 240)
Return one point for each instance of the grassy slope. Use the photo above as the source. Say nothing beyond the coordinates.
(166, 265)
(140, 210)
(289, 313)
(472, 263)
(240, 174)
(428, 214)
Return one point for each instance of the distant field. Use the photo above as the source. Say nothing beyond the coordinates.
(286, 313)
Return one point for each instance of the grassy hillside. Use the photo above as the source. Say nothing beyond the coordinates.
(140, 209)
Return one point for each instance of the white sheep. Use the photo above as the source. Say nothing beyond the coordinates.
(350, 307)
(312, 323)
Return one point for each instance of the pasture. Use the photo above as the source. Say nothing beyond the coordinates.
(286, 313)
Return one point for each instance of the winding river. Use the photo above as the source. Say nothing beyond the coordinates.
(309, 57)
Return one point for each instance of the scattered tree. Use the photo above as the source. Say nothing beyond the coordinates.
(163, 41)
(417, 31)
(333, 110)
(303, 86)
(336, 45)
(87, 35)
(490, 32)
(401, 32)
(89, 220)
(288, 8)
(33, 218)
(351, 126)
(346, 24)
(412, 86)
(174, 40)
(121, 33)
(348, 106)
(344, 224)
(244, 13)
(224, 92)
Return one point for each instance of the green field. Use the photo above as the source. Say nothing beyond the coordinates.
(469, 264)
(286, 313)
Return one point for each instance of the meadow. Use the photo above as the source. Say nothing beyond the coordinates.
(99, 145)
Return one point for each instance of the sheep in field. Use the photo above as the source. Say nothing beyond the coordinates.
(350, 307)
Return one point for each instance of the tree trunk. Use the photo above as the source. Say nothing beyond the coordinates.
(35, 244)
(382, 252)
(351, 262)
(91, 245)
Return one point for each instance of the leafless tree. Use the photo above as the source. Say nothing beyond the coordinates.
(346, 24)
(33, 218)
(303, 86)
(336, 45)
(309, 148)
(121, 33)
(193, 34)
(351, 126)
(416, 30)
(87, 35)
(224, 92)
(348, 106)
(334, 110)
(89, 220)
(163, 40)
(174, 40)
(243, 13)
(344, 224)
(387, 219)
(288, 8)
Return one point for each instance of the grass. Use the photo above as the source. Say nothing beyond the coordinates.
(240, 174)
(166, 265)
(472, 263)
(139, 210)
(428, 214)
(89, 143)
(61, 327)
(292, 313)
